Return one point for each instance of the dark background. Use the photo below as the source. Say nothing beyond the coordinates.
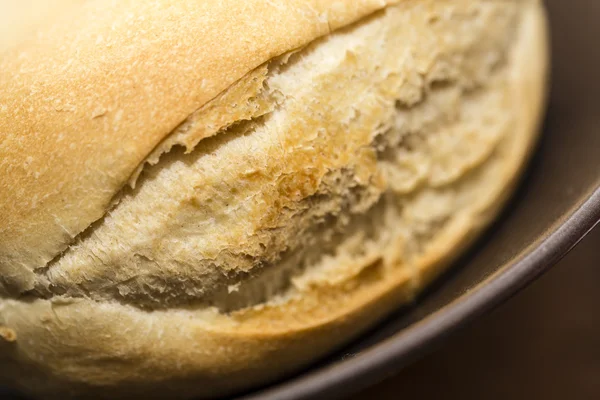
(542, 344)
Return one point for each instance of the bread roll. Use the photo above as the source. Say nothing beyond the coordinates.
(197, 197)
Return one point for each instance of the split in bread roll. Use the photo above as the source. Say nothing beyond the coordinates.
(201, 196)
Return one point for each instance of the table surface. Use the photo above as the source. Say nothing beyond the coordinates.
(542, 344)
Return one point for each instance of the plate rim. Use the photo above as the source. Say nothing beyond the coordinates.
(394, 353)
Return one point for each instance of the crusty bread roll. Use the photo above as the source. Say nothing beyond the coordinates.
(200, 196)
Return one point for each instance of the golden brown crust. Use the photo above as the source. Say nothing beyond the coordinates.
(183, 353)
(87, 101)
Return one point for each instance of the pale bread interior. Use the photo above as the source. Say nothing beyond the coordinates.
(357, 149)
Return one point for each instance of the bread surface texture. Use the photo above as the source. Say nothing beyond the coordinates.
(87, 96)
(201, 196)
